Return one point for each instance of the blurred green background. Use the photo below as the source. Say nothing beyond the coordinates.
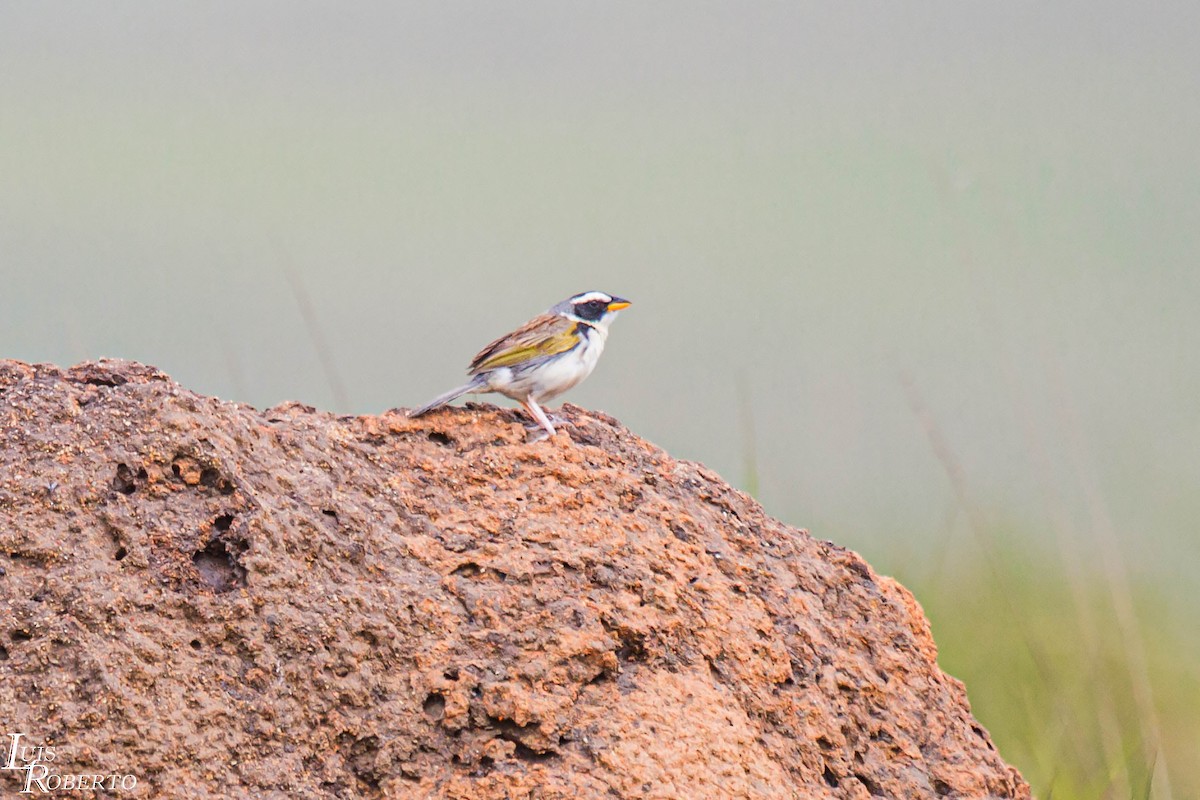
(922, 277)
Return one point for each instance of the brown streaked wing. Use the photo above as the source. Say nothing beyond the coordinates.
(544, 335)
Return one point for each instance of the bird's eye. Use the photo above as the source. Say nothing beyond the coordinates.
(592, 309)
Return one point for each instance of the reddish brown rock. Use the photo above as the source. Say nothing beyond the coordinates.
(228, 602)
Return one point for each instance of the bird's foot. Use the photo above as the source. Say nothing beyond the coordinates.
(555, 420)
(536, 434)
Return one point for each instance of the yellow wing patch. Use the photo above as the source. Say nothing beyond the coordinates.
(519, 355)
(541, 337)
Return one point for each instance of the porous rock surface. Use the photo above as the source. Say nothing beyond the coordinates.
(226, 602)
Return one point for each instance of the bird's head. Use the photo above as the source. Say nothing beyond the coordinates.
(594, 308)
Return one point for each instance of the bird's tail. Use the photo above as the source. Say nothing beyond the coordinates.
(442, 399)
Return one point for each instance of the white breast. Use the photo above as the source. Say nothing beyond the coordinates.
(561, 374)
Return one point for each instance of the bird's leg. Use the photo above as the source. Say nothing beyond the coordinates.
(536, 412)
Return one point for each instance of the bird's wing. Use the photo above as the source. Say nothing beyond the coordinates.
(543, 336)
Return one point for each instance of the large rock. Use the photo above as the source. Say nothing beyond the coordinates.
(221, 601)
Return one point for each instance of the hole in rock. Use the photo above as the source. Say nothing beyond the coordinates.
(527, 753)
(123, 482)
(467, 570)
(871, 786)
(434, 705)
(218, 568)
(633, 648)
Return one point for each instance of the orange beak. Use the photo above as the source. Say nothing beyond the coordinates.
(618, 303)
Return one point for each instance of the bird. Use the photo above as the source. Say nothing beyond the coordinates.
(543, 358)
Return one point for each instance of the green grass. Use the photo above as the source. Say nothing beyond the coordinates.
(1055, 679)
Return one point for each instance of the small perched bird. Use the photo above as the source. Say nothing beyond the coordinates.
(543, 358)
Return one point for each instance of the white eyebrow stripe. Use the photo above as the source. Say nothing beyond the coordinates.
(587, 297)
